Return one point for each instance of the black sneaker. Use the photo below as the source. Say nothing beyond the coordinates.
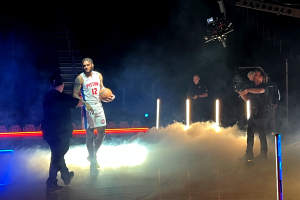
(54, 188)
(247, 158)
(68, 181)
(88, 158)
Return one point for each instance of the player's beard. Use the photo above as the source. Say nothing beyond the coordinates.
(88, 72)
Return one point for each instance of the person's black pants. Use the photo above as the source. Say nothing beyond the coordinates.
(199, 113)
(259, 126)
(59, 147)
(271, 125)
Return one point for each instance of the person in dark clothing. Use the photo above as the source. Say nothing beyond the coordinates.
(274, 97)
(57, 131)
(258, 117)
(198, 93)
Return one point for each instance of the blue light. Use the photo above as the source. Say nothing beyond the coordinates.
(6, 151)
(146, 115)
(11, 152)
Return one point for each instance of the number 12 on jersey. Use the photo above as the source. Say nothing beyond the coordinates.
(94, 91)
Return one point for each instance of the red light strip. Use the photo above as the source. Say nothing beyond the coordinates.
(75, 132)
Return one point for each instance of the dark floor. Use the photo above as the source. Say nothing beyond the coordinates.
(177, 166)
(128, 184)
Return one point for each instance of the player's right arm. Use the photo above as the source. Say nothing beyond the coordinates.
(76, 92)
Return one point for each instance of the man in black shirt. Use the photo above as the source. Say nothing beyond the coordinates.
(198, 92)
(57, 131)
(274, 97)
(258, 116)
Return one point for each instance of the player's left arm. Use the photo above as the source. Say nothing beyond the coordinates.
(110, 99)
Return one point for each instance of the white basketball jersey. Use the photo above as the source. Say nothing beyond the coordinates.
(90, 88)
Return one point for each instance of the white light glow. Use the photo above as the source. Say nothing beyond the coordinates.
(248, 109)
(216, 127)
(187, 114)
(157, 113)
(108, 156)
(217, 112)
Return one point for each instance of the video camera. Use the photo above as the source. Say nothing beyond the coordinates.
(239, 83)
(218, 29)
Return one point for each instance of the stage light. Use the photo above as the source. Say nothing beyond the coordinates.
(146, 115)
(187, 113)
(157, 113)
(248, 109)
(39, 134)
(217, 112)
(278, 166)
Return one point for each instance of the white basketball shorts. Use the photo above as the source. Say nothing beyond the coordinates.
(95, 119)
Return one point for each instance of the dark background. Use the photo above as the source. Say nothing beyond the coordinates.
(150, 50)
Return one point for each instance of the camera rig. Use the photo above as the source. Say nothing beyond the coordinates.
(218, 29)
(240, 83)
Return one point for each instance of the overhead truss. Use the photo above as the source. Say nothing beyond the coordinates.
(269, 7)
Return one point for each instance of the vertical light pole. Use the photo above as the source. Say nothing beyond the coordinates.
(157, 113)
(187, 113)
(248, 109)
(217, 112)
(287, 90)
(278, 166)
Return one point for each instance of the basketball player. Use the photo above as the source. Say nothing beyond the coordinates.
(88, 84)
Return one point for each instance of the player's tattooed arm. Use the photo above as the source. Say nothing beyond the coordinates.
(77, 87)
(76, 92)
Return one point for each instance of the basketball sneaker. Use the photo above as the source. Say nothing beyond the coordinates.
(88, 158)
(68, 181)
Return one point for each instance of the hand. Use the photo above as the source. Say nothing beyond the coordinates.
(195, 97)
(110, 99)
(275, 105)
(89, 108)
(243, 92)
(79, 104)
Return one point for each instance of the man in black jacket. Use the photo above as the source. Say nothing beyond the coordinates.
(258, 96)
(57, 131)
(198, 94)
(274, 97)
